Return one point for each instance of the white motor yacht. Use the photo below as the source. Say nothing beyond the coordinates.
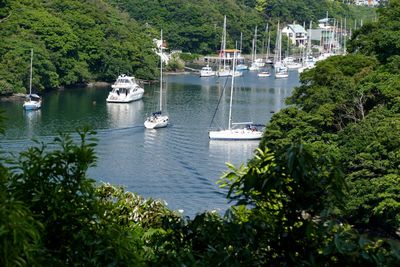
(125, 90)
(207, 71)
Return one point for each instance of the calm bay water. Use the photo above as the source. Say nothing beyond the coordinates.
(177, 164)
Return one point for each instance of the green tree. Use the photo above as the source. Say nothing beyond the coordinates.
(19, 231)
(74, 42)
(76, 229)
(379, 38)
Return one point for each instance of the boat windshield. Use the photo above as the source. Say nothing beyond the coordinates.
(123, 80)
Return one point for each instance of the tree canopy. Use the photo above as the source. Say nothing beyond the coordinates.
(73, 41)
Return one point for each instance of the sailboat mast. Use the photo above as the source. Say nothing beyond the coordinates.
(161, 70)
(255, 43)
(241, 42)
(280, 45)
(231, 100)
(30, 76)
(309, 40)
(224, 42)
(345, 37)
(276, 50)
(266, 41)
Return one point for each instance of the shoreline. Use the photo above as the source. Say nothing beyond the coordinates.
(96, 84)
(13, 97)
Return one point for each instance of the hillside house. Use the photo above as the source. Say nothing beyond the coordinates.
(296, 33)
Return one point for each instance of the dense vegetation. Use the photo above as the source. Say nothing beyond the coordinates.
(73, 42)
(347, 108)
(196, 26)
(80, 41)
(322, 189)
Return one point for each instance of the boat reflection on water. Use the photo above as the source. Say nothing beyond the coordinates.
(234, 152)
(125, 115)
(33, 118)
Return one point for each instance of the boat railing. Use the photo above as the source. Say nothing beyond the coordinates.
(241, 123)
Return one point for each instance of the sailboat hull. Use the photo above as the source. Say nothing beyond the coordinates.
(156, 122)
(235, 134)
(281, 75)
(32, 105)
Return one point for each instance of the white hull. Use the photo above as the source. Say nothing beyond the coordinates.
(207, 74)
(154, 122)
(294, 66)
(235, 134)
(32, 105)
(281, 75)
(263, 74)
(226, 73)
(236, 73)
(253, 68)
(123, 98)
(242, 67)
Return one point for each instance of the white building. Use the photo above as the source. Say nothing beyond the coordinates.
(296, 33)
(367, 2)
(165, 57)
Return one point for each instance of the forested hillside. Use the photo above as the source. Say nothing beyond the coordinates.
(73, 42)
(80, 41)
(196, 26)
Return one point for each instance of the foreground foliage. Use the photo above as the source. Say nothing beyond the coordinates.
(288, 212)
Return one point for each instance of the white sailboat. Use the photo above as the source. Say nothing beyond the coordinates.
(281, 70)
(33, 100)
(223, 68)
(241, 66)
(250, 132)
(257, 63)
(157, 119)
(267, 59)
(308, 60)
